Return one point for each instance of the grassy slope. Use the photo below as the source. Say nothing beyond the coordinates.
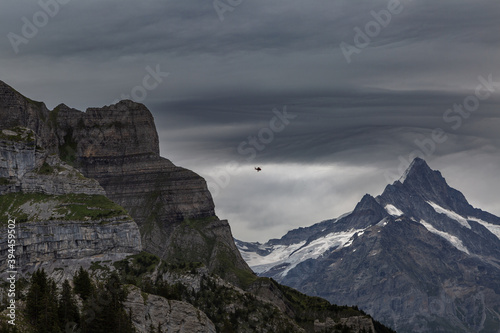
(73, 207)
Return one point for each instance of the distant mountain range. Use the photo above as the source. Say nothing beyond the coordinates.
(418, 257)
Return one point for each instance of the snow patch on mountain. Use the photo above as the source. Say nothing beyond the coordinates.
(392, 210)
(450, 238)
(278, 254)
(493, 228)
(452, 215)
(291, 255)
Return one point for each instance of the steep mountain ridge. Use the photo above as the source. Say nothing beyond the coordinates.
(420, 258)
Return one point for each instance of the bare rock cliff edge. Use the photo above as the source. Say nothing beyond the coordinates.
(118, 146)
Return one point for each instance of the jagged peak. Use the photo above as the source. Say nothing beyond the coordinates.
(417, 166)
(419, 172)
(62, 106)
(367, 203)
(6, 89)
(429, 184)
(367, 199)
(124, 103)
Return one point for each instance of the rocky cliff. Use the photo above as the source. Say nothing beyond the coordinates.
(18, 110)
(61, 216)
(27, 167)
(118, 146)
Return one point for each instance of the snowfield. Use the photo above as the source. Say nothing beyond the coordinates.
(292, 255)
(452, 215)
(450, 238)
(392, 210)
(493, 228)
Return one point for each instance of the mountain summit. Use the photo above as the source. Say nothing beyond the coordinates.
(419, 257)
(416, 169)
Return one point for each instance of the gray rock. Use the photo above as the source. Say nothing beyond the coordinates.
(30, 169)
(18, 110)
(118, 146)
(171, 316)
(57, 240)
(46, 237)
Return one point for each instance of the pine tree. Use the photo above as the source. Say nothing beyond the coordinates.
(83, 284)
(68, 310)
(50, 317)
(36, 292)
(41, 303)
(108, 312)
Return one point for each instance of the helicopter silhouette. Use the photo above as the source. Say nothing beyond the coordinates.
(258, 169)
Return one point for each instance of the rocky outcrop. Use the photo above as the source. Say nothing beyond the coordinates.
(118, 146)
(26, 167)
(152, 313)
(18, 110)
(355, 324)
(359, 324)
(50, 243)
(60, 215)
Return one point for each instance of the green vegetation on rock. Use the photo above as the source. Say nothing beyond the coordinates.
(30, 207)
(17, 134)
(309, 308)
(49, 310)
(4, 181)
(45, 169)
(68, 150)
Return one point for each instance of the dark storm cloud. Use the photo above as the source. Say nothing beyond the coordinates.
(327, 125)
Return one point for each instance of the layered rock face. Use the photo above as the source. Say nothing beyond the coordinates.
(26, 167)
(60, 214)
(118, 146)
(59, 244)
(17, 110)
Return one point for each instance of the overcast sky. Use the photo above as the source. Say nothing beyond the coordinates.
(329, 98)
